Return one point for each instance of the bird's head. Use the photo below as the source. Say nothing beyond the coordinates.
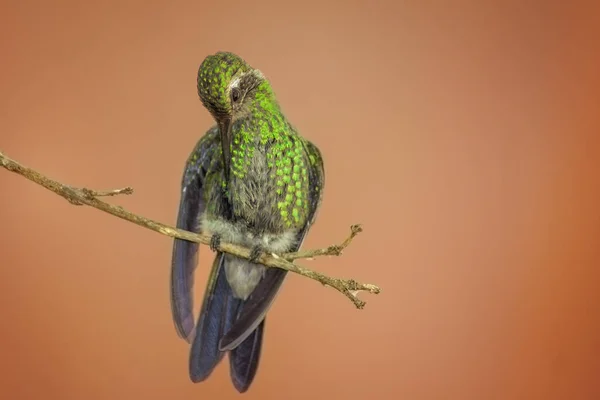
(226, 85)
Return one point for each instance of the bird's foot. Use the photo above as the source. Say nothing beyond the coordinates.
(215, 242)
(255, 254)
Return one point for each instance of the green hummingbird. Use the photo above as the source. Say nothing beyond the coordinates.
(251, 180)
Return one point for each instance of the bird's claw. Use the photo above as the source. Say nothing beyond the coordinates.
(215, 242)
(255, 254)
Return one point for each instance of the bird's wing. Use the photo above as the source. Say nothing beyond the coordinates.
(185, 253)
(317, 178)
(259, 302)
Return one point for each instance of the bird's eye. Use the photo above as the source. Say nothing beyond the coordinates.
(235, 95)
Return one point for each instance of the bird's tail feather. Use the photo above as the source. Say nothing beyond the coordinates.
(243, 360)
(220, 310)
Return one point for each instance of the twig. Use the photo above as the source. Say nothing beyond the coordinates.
(116, 192)
(334, 250)
(79, 196)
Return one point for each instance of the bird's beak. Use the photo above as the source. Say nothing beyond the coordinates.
(225, 130)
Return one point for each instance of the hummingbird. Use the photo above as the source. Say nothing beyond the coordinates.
(253, 181)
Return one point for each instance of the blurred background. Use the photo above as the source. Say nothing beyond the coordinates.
(464, 137)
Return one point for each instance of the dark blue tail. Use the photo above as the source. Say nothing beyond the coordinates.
(243, 360)
(219, 311)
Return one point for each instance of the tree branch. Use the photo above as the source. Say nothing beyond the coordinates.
(80, 196)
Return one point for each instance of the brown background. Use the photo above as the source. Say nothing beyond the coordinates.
(464, 137)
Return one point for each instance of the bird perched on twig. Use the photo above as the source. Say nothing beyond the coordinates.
(251, 180)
